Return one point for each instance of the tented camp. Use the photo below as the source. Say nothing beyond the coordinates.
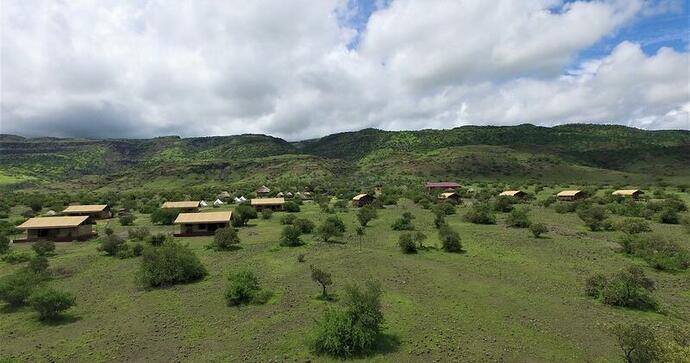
(570, 195)
(441, 185)
(184, 206)
(218, 203)
(58, 229)
(202, 224)
(268, 203)
(629, 193)
(51, 213)
(203, 204)
(263, 191)
(360, 200)
(513, 193)
(450, 196)
(93, 211)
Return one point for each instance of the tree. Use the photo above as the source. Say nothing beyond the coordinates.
(225, 239)
(111, 244)
(480, 213)
(634, 226)
(595, 217)
(331, 227)
(420, 237)
(127, 219)
(266, 213)
(16, 288)
(288, 219)
(439, 218)
(4, 244)
(504, 203)
(38, 264)
(44, 247)
(165, 216)
(243, 288)
(538, 229)
(170, 264)
(450, 239)
(291, 207)
(366, 214)
(518, 218)
(360, 233)
(242, 214)
(628, 288)
(290, 236)
(323, 278)
(638, 343)
(404, 223)
(50, 303)
(407, 243)
(305, 226)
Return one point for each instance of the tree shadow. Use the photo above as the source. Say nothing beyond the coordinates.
(331, 297)
(386, 344)
(63, 319)
(9, 309)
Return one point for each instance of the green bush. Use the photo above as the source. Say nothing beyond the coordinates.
(628, 288)
(480, 214)
(659, 251)
(404, 223)
(225, 239)
(685, 221)
(157, 239)
(16, 288)
(633, 226)
(366, 214)
(638, 343)
(291, 207)
(127, 219)
(266, 213)
(288, 219)
(450, 239)
(170, 264)
(50, 303)
(111, 244)
(504, 203)
(407, 243)
(15, 257)
(305, 226)
(565, 207)
(439, 219)
(138, 234)
(447, 208)
(242, 214)
(538, 229)
(243, 288)
(290, 237)
(518, 218)
(4, 244)
(38, 264)
(354, 328)
(595, 217)
(164, 216)
(668, 216)
(43, 247)
(331, 227)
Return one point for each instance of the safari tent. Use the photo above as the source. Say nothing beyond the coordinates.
(360, 200)
(58, 229)
(513, 193)
(202, 224)
(93, 211)
(186, 206)
(268, 203)
(570, 195)
(441, 185)
(629, 193)
(450, 196)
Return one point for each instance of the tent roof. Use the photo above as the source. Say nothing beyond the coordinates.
(53, 222)
(205, 217)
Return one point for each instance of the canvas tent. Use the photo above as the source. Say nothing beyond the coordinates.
(58, 229)
(202, 224)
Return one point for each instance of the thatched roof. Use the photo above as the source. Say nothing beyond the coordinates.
(360, 196)
(569, 193)
(86, 208)
(181, 204)
(627, 192)
(511, 193)
(53, 222)
(268, 201)
(205, 217)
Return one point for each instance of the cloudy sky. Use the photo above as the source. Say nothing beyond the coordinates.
(306, 68)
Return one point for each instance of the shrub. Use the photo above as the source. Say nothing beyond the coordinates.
(354, 328)
(165, 216)
(595, 284)
(323, 278)
(242, 214)
(44, 247)
(538, 229)
(127, 219)
(407, 243)
(300, 257)
(16, 288)
(50, 303)
(38, 264)
(628, 288)
(366, 214)
(504, 204)
(157, 239)
(638, 343)
(28, 213)
(518, 218)
(111, 245)
(439, 219)
(685, 221)
(15, 257)
(169, 264)
(447, 208)
(290, 237)
(450, 239)
(668, 216)
(138, 234)
(4, 244)
(225, 239)
(659, 251)
(565, 207)
(266, 213)
(404, 223)
(595, 217)
(138, 249)
(305, 226)
(419, 237)
(331, 227)
(109, 231)
(480, 214)
(288, 219)
(243, 288)
(291, 207)
(633, 226)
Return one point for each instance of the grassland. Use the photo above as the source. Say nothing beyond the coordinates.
(509, 297)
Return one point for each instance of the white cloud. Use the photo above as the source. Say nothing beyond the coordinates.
(133, 68)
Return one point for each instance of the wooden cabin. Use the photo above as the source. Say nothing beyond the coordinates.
(202, 224)
(268, 203)
(57, 229)
(360, 200)
(450, 196)
(570, 195)
(186, 206)
(93, 211)
(519, 194)
(263, 191)
(628, 193)
(431, 186)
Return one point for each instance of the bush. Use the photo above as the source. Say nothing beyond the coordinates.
(242, 214)
(157, 239)
(480, 214)
(447, 208)
(366, 214)
(407, 243)
(595, 217)
(225, 239)
(38, 264)
(538, 229)
(300, 257)
(659, 251)
(305, 226)
(15, 257)
(16, 288)
(518, 218)
(450, 239)
(138, 234)
(633, 226)
(288, 219)
(685, 221)
(4, 244)
(111, 245)
(439, 219)
(127, 219)
(354, 328)
(331, 227)
(290, 237)
(565, 207)
(323, 278)
(628, 288)
(291, 207)
(504, 204)
(668, 216)
(44, 247)
(638, 343)
(243, 288)
(404, 223)
(266, 213)
(165, 216)
(50, 303)
(169, 264)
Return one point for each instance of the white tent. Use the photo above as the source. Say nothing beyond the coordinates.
(243, 199)
(203, 204)
(238, 200)
(51, 213)
(218, 202)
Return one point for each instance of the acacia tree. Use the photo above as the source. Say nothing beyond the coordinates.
(323, 278)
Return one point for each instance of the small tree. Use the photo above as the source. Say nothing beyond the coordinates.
(243, 288)
(170, 264)
(288, 219)
(267, 213)
(16, 288)
(538, 229)
(43, 247)
(127, 219)
(331, 227)
(165, 216)
(225, 239)
(480, 213)
(450, 240)
(50, 303)
(404, 223)
(366, 214)
(595, 217)
(38, 264)
(323, 278)
(360, 234)
(439, 218)
(420, 237)
(290, 237)
(291, 207)
(638, 343)
(518, 218)
(138, 234)
(4, 244)
(111, 245)
(304, 225)
(504, 204)
(634, 226)
(242, 214)
(407, 243)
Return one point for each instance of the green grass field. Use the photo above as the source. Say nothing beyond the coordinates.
(509, 297)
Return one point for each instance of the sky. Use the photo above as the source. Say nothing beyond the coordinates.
(307, 68)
